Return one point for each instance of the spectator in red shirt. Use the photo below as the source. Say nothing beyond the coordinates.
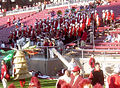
(3, 74)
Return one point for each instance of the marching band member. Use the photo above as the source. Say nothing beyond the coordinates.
(95, 15)
(88, 20)
(98, 21)
(75, 77)
(103, 16)
(83, 38)
(112, 16)
(108, 17)
(9, 22)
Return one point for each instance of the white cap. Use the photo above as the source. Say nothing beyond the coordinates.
(75, 22)
(103, 10)
(41, 39)
(92, 12)
(27, 39)
(52, 39)
(111, 11)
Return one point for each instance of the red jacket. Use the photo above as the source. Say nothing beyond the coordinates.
(112, 16)
(83, 26)
(35, 82)
(114, 81)
(89, 20)
(65, 31)
(60, 83)
(84, 36)
(92, 62)
(3, 70)
(76, 83)
(79, 32)
(75, 31)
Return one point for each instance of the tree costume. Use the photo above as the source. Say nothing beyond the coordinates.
(20, 66)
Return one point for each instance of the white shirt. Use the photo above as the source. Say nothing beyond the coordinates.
(65, 78)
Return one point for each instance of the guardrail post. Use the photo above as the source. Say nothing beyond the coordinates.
(83, 64)
(104, 63)
(47, 53)
(82, 53)
(78, 42)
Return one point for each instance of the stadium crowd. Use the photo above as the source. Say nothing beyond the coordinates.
(73, 25)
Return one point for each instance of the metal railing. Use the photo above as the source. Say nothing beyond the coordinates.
(24, 10)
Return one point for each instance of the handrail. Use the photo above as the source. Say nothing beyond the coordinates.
(102, 50)
(31, 9)
(47, 46)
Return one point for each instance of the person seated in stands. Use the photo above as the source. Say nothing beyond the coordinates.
(108, 38)
(115, 38)
(34, 83)
(118, 37)
(63, 80)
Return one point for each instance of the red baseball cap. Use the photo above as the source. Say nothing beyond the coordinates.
(76, 68)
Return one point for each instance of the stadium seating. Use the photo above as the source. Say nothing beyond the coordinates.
(29, 19)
